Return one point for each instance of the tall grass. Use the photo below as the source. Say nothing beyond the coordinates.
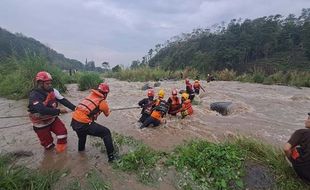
(225, 75)
(19, 177)
(151, 74)
(17, 76)
(292, 78)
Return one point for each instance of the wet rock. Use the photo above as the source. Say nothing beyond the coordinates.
(146, 86)
(258, 176)
(223, 108)
(156, 84)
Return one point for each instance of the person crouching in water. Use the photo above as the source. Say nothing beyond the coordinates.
(173, 103)
(87, 111)
(297, 150)
(146, 104)
(186, 106)
(160, 109)
(43, 112)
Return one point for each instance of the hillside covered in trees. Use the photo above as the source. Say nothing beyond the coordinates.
(268, 44)
(18, 46)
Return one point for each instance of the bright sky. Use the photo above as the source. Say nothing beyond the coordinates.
(119, 31)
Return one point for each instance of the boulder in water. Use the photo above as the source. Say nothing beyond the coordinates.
(156, 84)
(146, 86)
(223, 108)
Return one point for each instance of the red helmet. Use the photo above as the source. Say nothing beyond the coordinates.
(174, 92)
(104, 88)
(186, 81)
(43, 76)
(150, 92)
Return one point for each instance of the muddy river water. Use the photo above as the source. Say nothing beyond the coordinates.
(267, 112)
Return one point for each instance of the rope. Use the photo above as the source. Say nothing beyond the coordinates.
(13, 116)
(26, 123)
(126, 108)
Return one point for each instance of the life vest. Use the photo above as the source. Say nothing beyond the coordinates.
(187, 108)
(162, 106)
(38, 120)
(175, 102)
(160, 109)
(189, 89)
(88, 108)
(196, 85)
(148, 107)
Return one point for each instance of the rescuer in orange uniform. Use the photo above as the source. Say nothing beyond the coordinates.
(173, 103)
(87, 111)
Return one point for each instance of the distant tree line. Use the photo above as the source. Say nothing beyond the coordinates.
(270, 44)
(19, 46)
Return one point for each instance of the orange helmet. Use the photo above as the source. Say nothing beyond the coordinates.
(174, 92)
(43, 76)
(104, 88)
(150, 92)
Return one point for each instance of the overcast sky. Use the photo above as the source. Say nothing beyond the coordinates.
(119, 31)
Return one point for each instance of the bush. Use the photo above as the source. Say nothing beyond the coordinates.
(17, 76)
(258, 77)
(226, 75)
(89, 80)
(212, 166)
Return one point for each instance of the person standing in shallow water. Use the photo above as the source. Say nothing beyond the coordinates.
(43, 112)
(297, 150)
(87, 111)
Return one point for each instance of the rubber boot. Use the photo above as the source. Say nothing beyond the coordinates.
(111, 157)
(61, 148)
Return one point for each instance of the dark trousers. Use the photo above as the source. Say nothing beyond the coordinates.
(143, 117)
(196, 91)
(93, 129)
(191, 97)
(150, 120)
(303, 171)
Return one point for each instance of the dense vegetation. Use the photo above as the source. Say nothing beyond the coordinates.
(17, 76)
(269, 44)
